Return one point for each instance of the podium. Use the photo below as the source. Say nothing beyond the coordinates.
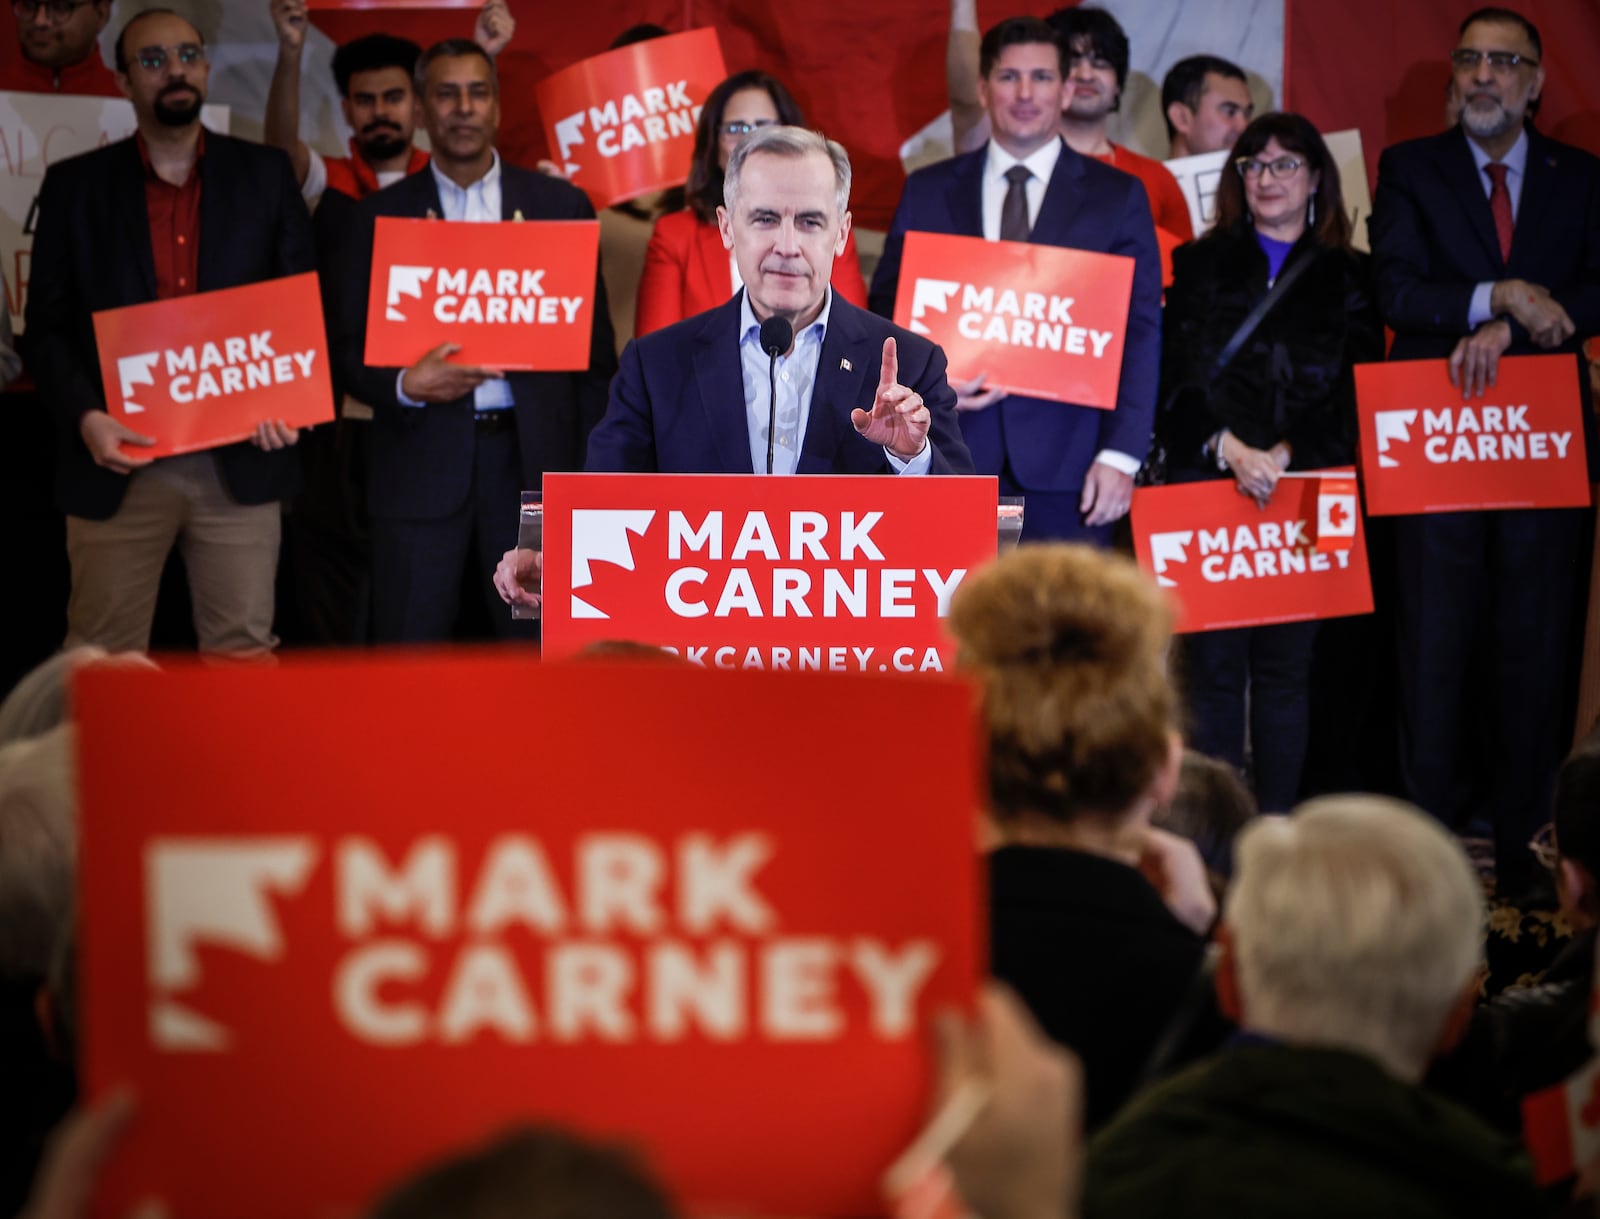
(845, 573)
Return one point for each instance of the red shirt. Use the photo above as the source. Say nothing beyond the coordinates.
(174, 225)
(88, 77)
(1166, 196)
(354, 177)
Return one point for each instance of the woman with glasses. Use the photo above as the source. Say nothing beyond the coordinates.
(687, 270)
(1285, 400)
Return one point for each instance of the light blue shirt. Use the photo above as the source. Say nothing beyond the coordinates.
(796, 379)
(478, 203)
(1516, 163)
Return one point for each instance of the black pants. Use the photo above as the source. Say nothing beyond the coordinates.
(417, 565)
(1274, 664)
(1487, 658)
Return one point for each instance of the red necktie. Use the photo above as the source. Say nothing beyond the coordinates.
(1500, 206)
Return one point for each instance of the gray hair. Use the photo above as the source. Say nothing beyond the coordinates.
(1357, 924)
(453, 48)
(38, 851)
(42, 699)
(789, 142)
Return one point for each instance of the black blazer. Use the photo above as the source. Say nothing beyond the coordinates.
(421, 465)
(1433, 239)
(1292, 379)
(91, 251)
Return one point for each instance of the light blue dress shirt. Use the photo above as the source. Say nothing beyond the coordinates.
(796, 379)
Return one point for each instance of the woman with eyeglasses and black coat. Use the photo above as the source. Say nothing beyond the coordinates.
(1285, 400)
(687, 269)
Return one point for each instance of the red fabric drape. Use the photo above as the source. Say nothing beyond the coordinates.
(1382, 67)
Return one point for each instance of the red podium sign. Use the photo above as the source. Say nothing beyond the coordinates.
(1232, 564)
(1425, 449)
(622, 123)
(1040, 320)
(195, 372)
(608, 896)
(516, 295)
(844, 574)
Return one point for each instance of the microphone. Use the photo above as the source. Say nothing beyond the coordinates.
(776, 335)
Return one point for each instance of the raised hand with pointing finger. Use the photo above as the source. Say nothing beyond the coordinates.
(898, 419)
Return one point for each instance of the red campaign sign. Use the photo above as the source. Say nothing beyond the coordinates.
(623, 123)
(195, 372)
(1426, 449)
(1230, 564)
(1039, 320)
(517, 295)
(837, 573)
(511, 926)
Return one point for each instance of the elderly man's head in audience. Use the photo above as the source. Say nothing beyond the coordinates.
(1356, 923)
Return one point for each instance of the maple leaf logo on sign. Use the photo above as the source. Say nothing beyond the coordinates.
(404, 281)
(1390, 427)
(934, 294)
(215, 892)
(1169, 548)
(134, 371)
(600, 535)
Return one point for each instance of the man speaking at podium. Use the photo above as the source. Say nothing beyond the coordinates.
(855, 394)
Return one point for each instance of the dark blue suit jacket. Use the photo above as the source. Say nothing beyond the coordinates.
(677, 402)
(1433, 242)
(1087, 206)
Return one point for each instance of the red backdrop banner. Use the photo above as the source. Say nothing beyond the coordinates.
(363, 911)
(1383, 67)
(1424, 448)
(199, 371)
(849, 574)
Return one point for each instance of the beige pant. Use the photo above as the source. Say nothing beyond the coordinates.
(230, 551)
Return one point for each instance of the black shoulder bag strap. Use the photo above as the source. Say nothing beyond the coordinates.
(1253, 319)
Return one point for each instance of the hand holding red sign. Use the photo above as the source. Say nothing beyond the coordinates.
(899, 419)
(434, 379)
(104, 437)
(1476, 359)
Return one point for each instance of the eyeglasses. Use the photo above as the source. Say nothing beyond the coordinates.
(738, 130)
(57, 10)
(1544, 849)
(153, 59)
(1466, 60)
(1283, 167)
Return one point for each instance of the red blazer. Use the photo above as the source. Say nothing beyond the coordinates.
(686, 272)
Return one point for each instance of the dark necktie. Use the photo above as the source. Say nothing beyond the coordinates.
(1014, 224)
(1500, 207)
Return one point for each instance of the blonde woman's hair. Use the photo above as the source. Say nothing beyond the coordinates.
(1068, 645)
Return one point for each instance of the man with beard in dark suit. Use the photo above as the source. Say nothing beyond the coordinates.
(1486, 243)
